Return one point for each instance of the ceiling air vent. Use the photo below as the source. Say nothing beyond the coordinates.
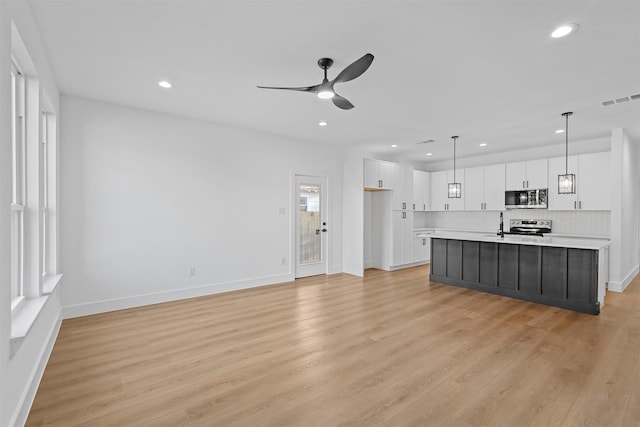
(621, 100)
(428, 141)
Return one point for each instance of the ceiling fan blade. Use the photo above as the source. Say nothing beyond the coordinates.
(341, 102)
(299, 89)
(355, 69)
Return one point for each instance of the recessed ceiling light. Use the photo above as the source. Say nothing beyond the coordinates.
(394, 145)
(560, 131)
(484, 144)
(164, 84)
(429, 154)
(564, 30)
(322, 123)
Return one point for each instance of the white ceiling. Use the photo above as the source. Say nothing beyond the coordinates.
(485, 70)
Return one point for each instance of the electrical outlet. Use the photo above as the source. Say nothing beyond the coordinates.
(283, 261)
(192, 271)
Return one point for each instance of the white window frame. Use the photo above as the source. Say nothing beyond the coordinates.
(44, 185)
(18, 165)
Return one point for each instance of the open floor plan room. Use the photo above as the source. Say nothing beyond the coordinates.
(391, 348)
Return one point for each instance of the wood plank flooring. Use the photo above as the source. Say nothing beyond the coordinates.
(388, 349)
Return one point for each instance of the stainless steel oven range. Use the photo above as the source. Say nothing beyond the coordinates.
(530, 227)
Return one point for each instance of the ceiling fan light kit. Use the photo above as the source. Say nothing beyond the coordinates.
(325, 89)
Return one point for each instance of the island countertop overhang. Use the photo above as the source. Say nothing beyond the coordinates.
(553, 241)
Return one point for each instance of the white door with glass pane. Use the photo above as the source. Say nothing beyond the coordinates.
(311, 226)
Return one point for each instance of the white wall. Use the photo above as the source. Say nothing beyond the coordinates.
(623, 254)
(145, 196)
(20, 375)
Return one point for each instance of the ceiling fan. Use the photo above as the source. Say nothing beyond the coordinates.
(325, 90)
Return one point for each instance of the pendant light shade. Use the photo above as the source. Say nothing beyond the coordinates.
(566, 182)
(454, 190)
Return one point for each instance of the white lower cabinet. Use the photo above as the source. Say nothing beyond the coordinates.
(402, 237)
(421, 247)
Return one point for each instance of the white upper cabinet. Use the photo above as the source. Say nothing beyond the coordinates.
(421, 189)
(378, 174)
(593, 182)
(485, 188)
(474, 194)
(527, 175)
(439, 191)
(561, 202)
(494, 187)
(403, 187)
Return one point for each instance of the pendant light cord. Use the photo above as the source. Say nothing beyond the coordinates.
(454, 158)
(566, 142)
(566, 145)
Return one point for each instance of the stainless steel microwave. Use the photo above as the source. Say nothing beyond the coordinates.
(526, 199)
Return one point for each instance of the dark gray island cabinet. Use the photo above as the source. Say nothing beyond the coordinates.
(563, 272)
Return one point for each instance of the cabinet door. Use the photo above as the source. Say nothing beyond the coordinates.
(403, 187)
(426, 199)
(594, 181)
(417, 190)
(420, 190)
(562, 202)
(456, 204)
(474, 193)
(397, 230)
(386, 174)
(516, 175)
(421, 249)
(537, 174)
(371, 173)
(407, 238)
(438, 191)
(402, 237)
(494, 187)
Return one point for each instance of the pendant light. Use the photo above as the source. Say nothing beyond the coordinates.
(566, 182)
(455, 188)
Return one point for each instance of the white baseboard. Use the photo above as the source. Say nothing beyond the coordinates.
(22, 412)
(411, 264)
(104, 306)
(620, 286)
(335, 269)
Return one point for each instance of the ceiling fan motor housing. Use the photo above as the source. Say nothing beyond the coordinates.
(325, 63)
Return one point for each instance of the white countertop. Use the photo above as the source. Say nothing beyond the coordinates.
(548, 240)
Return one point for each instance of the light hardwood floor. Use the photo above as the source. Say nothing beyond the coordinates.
(391, 349)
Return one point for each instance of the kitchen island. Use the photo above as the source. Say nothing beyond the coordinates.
(559, 271)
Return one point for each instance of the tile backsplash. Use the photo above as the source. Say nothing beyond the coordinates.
(588, 223)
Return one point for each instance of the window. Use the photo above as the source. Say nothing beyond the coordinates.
(18, 184)
(47, 196)
(44, 185)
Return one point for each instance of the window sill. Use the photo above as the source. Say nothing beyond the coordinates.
(50, 282)
(25, 315)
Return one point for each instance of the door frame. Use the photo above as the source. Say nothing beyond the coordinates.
(294, 220)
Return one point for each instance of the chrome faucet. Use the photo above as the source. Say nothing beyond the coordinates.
(501, 229)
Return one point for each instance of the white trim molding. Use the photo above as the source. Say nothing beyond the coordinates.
(114, 304)
(616, 286)
(26, 400)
